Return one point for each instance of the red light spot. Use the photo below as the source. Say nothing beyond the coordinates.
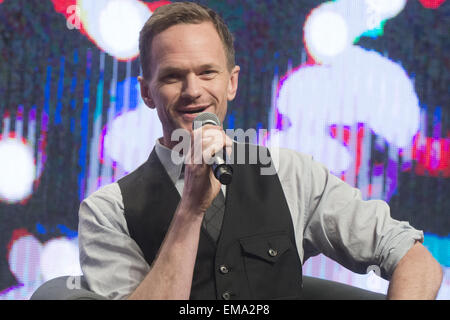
(17, 234)
(431, 4)
(64, 7)
(345, 140)
(154, 5)
(432, 156)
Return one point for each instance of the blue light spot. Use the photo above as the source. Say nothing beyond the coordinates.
(439, 247)
(40, 228)
(68, 232)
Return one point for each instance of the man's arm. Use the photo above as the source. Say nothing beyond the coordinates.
(171, 274)
(114, 265)
(417, 276)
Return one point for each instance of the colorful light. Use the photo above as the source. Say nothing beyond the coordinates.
(113, 25)
(17, 170)
(59, 257)
(386, 8)
(131, 136)
(326, 34)
(431, 4)
(119, 24)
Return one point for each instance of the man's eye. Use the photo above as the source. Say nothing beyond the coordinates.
(171, 77)
(209, 73)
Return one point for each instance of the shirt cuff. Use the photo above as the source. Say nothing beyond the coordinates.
(399, 246)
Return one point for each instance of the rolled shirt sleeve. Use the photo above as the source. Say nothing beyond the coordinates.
(354, 232)
(111, 261)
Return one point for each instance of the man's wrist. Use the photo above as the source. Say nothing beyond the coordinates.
(190, 210)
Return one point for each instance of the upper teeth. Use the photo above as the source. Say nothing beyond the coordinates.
(193, 111)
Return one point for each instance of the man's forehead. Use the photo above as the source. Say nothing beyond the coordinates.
(194, 32)
(196, 41)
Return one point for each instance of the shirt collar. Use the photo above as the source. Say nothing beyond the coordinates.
(165, 156)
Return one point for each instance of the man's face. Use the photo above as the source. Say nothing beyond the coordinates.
(189, 75)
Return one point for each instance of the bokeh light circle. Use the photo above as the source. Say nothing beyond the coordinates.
(17, 170)
(326, 34)
(120, 22)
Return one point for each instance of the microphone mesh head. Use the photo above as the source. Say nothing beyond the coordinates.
(205, 118)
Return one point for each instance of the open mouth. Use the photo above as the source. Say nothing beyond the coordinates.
(193, 110)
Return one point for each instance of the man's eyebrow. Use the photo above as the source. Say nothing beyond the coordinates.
(209, 66)
(170, 69)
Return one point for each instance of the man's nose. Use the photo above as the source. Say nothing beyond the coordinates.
(191, 87)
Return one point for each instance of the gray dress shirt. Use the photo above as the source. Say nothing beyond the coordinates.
(329, 217)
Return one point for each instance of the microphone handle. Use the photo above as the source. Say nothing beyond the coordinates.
(222, 171)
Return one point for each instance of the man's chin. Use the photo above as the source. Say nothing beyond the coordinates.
(182, 128)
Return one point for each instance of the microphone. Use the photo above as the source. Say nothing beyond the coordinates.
(222, 171)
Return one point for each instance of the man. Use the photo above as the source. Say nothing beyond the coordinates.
(145, 237)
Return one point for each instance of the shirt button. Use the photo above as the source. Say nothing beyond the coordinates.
(273, 252)
(223, 269)
(226, 295)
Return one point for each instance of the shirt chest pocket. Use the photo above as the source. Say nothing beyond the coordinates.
(272, 266)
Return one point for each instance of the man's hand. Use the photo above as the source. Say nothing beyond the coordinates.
(200, 184)
(417, 276)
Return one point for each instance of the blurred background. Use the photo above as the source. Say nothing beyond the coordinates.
(362, 85)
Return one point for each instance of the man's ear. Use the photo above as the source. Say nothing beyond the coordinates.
(233, 83)
(145, 93)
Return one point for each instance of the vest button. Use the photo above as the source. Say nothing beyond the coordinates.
(223, 269)
(226, 295)
(273, 252)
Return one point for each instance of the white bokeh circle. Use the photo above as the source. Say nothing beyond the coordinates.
(386, 8)
(326, 34)
(119, 24)
(114, 25)
(59, 257)
(17, 170)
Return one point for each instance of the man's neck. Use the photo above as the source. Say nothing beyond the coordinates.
(167, 142)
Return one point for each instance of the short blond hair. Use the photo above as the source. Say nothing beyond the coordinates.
(178, 13)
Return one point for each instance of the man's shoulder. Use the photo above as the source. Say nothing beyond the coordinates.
(287, 163)
(288, 155)
(291, 155)
(109, 192)
(290, 158)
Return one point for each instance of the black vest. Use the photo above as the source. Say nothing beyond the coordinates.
(256, 255)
